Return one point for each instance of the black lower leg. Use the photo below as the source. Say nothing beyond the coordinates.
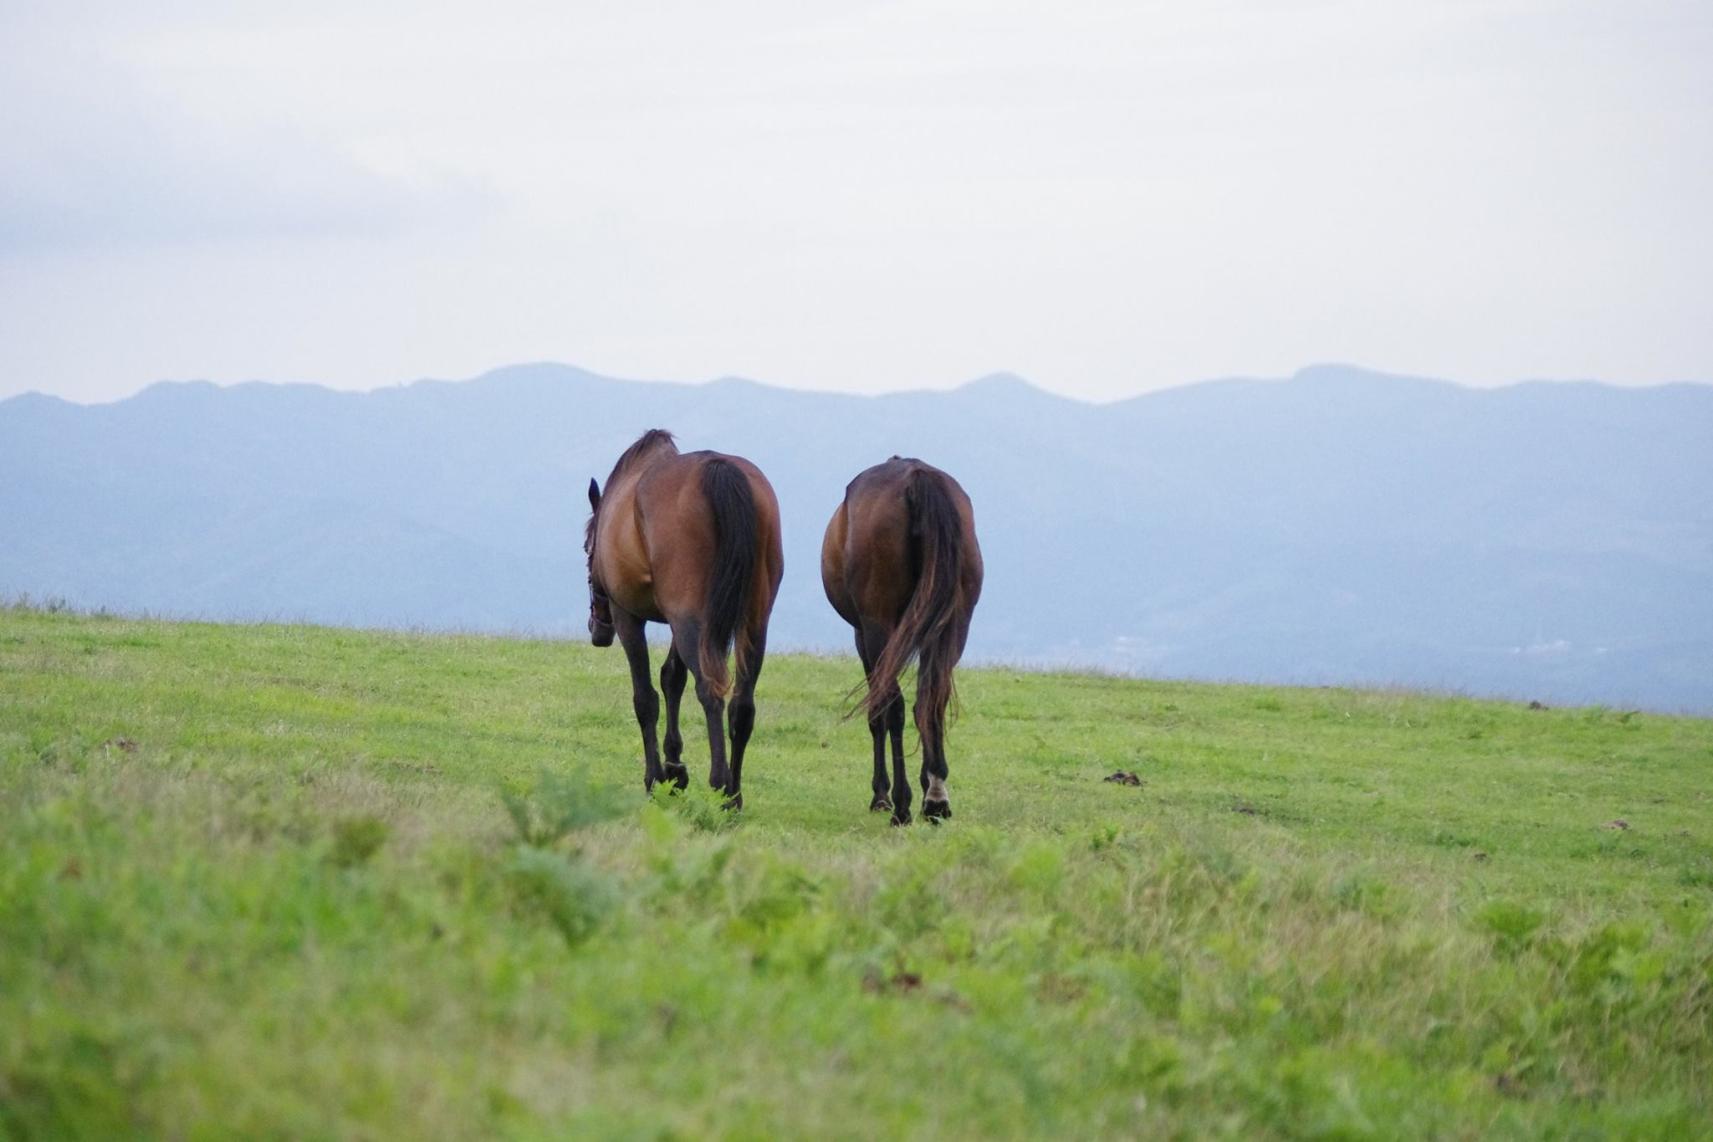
(743, 713)
(936, 805)
(742, 718)
(901, 796)
(714, 709)
(672, 678)
(882, 784)
(644, 701)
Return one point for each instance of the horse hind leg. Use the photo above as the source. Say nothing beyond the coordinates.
(673, 675)
(936, 805)
(741, 714)
(900, 782)
(892, 716)
(687, 639)
(880, 785)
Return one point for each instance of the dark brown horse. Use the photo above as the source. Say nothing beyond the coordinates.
(690, 540)
(901, 564)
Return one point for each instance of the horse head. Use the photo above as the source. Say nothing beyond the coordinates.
(600, 608)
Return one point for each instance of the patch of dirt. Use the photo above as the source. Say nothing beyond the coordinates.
(1123, 777)
(899, 983)
(123, 744)
(1618, 823)
(903, 982)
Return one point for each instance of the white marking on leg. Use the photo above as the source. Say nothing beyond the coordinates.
(936, 789)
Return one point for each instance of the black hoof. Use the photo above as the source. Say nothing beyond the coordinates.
(678, 775)
(937, 811)
(733, 803)
(880, 804)
(900, 817)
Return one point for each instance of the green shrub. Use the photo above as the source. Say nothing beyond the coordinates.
(356, 839)
(1513, 925)
(573, 897)
(561, 804)
(702, 809)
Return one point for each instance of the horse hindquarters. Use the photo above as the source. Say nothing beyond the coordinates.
(935, 622)
(733, 615)
(731, 582)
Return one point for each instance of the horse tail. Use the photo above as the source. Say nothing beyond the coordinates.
(928, 631)
(733, 504)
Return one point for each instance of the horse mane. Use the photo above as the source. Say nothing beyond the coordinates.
(646, 443)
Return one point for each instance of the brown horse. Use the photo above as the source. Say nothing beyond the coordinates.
(900, 563)
(690, 540)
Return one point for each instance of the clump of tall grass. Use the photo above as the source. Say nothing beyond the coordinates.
(573, 896)
(702, 810)
(562, 804)
(548, 877)
(356, 839)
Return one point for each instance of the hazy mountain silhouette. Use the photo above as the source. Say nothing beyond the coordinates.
(1551, 541)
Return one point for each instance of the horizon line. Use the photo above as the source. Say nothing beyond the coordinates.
(998, 377)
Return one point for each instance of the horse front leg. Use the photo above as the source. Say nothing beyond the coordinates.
(644, 700)
(880, 784)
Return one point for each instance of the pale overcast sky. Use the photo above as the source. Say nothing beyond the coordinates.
(1104, 197)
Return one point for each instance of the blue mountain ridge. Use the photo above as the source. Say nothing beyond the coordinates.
(1539, 540)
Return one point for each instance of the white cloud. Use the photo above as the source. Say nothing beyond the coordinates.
(1102, 196)
(94, 159)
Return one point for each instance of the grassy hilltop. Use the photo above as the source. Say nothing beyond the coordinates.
(274, 881)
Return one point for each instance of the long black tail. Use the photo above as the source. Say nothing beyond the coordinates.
(733, 504)
(929, 630)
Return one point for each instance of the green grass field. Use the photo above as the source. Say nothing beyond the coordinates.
(272, 881)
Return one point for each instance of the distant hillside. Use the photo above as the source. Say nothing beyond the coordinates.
(1550, 541)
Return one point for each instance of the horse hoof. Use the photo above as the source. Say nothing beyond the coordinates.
(880, 804)
(678, 775)
(900, 817)
(733, 803)
(937, 811)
